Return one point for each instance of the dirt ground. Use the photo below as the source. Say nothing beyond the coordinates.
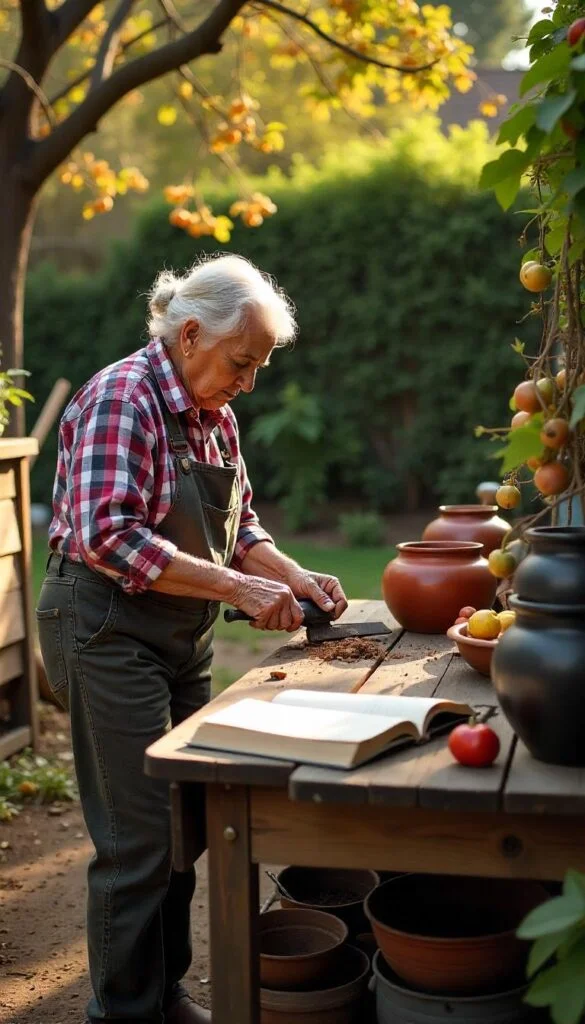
(43, 860)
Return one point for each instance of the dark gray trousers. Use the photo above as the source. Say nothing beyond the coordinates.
(127, 667)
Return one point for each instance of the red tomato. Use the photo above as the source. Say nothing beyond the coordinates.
(575, 31)
(466, 612)
(474, 744)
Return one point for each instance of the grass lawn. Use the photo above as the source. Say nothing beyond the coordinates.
(359, 571)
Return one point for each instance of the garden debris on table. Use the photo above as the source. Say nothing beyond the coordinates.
(349, 649)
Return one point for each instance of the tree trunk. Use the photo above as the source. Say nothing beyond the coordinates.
(17, 209)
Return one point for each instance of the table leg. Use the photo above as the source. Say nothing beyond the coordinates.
(233, 908)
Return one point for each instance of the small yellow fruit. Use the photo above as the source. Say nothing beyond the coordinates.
(508, 496)
(501, 563)
(535, 277)
(28, 788)
(484, 625)
(507, 619)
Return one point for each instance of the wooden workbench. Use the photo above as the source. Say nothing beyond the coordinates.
(415, 810)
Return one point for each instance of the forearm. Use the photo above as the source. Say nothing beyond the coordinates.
(267, 561)
(186, 576)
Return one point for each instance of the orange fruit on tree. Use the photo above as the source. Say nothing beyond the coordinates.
(535, 277)
(546, 389)
(519, 419)
(552, 478)
(501, 563)
(526, 397)
(484, 625)
(554, 433)
(561, 379)
(534, 462)
(508, 496)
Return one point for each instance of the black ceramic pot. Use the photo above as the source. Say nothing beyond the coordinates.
(554, 569)
(538, 670)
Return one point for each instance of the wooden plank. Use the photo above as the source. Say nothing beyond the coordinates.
(414, 667)
(414, 839)
(18, 447)
(12, 627)
(26, 698)
(11, 663)
(10, 540)
(533, 787)
(10, 574)
(233, 908)
(7, 483)
(14, 740)
(171, 758)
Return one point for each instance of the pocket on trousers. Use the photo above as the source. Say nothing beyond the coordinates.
(51, 641)
(95, 611)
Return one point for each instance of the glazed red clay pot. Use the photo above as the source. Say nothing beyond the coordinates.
(429, 581)
(480, 523)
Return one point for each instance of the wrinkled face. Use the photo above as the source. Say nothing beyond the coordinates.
(214, 376)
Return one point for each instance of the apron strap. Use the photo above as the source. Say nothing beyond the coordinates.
(223, 447)
(177, 440)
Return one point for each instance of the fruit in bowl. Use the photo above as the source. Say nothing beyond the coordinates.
(476, 635)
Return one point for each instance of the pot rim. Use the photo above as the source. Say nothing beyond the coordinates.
(336, 929)
(441, 547)
(378, 959)
(307, 997)
(456, 633)
(357, 902)
(457, 940)
(545, 607)
(570, 534)
(469, 509)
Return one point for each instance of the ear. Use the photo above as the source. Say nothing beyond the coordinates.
(189, 337)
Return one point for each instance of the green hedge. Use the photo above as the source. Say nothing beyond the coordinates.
(406, 283)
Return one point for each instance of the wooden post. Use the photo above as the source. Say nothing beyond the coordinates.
(233, 908)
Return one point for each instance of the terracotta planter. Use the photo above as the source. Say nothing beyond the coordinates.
(338, 1000)
(298, 947)
(480, 523)
(429, 581)
(443, 933)
(335, 890)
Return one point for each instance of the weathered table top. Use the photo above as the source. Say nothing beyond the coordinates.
(426, 776)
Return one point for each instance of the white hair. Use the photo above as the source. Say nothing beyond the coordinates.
(219, 292)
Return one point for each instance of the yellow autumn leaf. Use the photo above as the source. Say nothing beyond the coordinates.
(88, 212)
(185, 90)
(167, 115)
(222, 229)
(488, 108)
(97, 14)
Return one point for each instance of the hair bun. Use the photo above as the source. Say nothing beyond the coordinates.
(163, 292)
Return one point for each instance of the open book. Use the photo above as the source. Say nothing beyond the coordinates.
(340, 730)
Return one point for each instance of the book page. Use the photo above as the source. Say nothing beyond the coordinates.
(323, 724)
(403, 709)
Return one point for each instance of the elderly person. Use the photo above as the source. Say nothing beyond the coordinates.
(153, 527)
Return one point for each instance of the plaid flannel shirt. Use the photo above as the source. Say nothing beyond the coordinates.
(115, 477)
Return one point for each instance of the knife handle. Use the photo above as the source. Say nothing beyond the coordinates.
(235, 615)
(311, 612)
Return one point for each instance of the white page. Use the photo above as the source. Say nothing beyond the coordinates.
(321, 724)
(392, 708)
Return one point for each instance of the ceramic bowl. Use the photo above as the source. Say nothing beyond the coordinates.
(443, 933)
(298, 947)
(337, 999)
(477, 653)
(337, 891)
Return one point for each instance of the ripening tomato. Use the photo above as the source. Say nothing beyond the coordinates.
(535, 277)
(555, 432)
(474, 744)
(552, 478)
(526, 397)
(575, 31)
(519, 419)
(508, 496)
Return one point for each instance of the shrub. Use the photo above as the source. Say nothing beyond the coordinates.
(362, 529)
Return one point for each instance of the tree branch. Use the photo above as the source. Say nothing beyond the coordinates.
(337, 43)
(69, 17)
(106, 54)
(32, 85)
(37, 23)
(48, 153)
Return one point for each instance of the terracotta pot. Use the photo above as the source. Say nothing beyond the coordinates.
(338, 1000)
(428, 582)
(298, 947)
(443, 933)
(477, 653)
(538, 674)
(469, 522)
(335, 890)
(396, 1003)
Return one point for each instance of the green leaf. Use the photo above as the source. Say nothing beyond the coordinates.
(574, 181)
(552, 109)
(546, 68)
(517, 345)
(578, 412)
(558, 913)
(509, 164)
(539, 30)
(569, 1001)
(574, 884)
(517, 125)
(578, 63)
(507, 190)
(554, 239)
(542, 950)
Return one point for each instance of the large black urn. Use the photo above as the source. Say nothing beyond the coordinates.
(538, 666)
